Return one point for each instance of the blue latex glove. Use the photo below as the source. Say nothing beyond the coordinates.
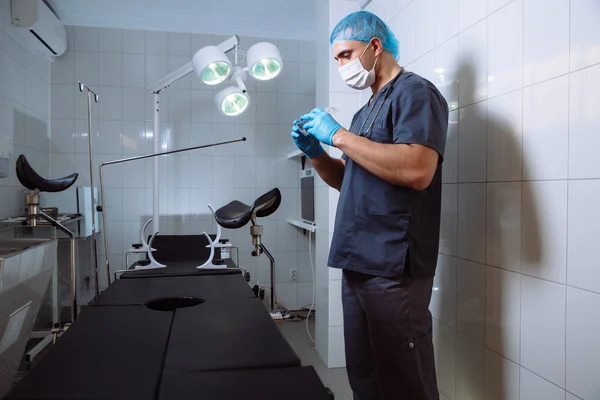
(321, 125)
(309, 145)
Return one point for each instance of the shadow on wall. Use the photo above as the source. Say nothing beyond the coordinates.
(511, 237)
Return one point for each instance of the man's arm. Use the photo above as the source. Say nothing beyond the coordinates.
(331, 170)
(410, 165)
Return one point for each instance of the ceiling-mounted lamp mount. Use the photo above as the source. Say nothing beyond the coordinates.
(238, 78)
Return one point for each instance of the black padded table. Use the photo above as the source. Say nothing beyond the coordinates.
(128, 346)
(141, 291)
(182, 268)
(283, 383)
(115, 352)
(109, 353)
(227, 333)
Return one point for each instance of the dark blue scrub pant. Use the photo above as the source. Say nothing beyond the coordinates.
(388, 335)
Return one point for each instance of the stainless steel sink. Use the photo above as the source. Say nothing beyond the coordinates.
(26, 267)
(13, 246)
(4, 251)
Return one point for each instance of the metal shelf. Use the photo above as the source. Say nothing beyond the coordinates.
(303, 225)
(293, 154)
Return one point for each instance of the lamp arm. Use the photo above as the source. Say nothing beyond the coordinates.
(229, 44)
(186, 69)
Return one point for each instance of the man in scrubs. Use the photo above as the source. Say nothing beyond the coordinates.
(387, 225)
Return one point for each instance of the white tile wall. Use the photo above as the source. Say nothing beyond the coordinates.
(542, 328)
(24, 113)
(545, 41)
(546, 130)
(582, 322)
(503, 234)
(501, 377)
(517, 286)
(585, 35)
(472, 221)
(505, 49)
(472, 143)
(505, 137)
(119, 65)
(582, 123)
(471, 300)
(445, 344)
(473, 60)
(446, 20)
(445, 288)
(533, 386)
(503, 313)
(449, 222)
(470, 369)
(582, 270)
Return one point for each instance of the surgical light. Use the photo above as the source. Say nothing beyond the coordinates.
(232, 101)
(212, 65)
(264, 61)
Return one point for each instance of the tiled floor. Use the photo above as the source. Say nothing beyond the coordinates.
(334, 378)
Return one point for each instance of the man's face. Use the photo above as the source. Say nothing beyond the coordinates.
(346, 51)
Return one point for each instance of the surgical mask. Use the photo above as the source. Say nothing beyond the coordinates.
(355, 75)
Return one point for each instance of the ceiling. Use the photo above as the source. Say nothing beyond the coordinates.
(285, 19)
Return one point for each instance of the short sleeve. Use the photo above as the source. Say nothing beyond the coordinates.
(420, 116)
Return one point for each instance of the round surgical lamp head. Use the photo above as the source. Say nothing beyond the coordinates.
(264, 61)
(211, 65)
(232, 101)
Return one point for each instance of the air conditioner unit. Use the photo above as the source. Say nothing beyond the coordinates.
(37, 28)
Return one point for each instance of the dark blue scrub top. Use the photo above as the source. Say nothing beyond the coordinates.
(384, 229)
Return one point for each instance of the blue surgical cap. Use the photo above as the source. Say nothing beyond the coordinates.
(364, 26)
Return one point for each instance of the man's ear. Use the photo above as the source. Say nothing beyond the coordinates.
(377, 46)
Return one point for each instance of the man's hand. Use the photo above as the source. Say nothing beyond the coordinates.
(309, 145)
(321, 125)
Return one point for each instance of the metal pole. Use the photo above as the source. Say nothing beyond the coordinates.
(272, 260)
(94, 244)
(73, 269)
(154, 155)
(73, 279)
(104, 235)
(156, 193)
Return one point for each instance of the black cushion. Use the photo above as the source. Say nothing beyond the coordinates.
(171, 248)
(236, 214)
(109, 353)
(300, 383)
(141, 291)
(268, 203)
(32, 181)
(226, 334)
(233, 215)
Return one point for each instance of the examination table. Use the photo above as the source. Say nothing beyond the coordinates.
(133, 343)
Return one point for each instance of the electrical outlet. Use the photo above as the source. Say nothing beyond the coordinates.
(293, 274)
